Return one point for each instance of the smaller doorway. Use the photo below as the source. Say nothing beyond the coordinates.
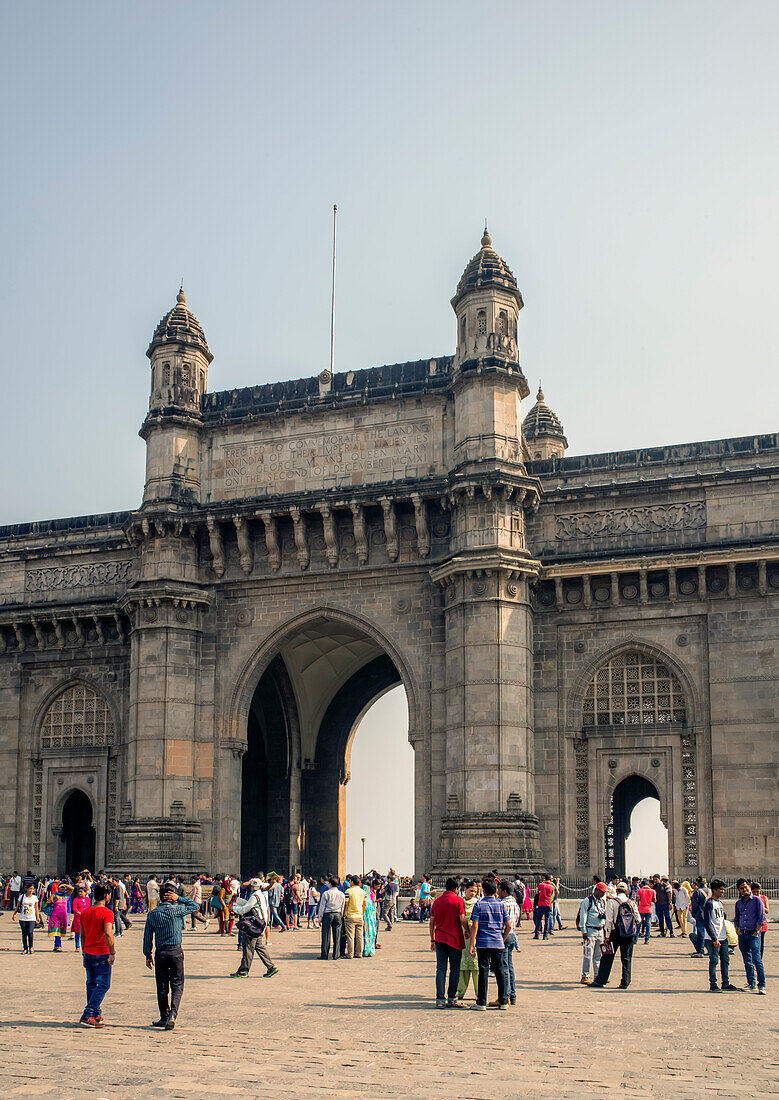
(77, 848)
(636, 840)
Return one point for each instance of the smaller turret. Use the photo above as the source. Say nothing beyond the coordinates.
(487, 304)
(542, 431)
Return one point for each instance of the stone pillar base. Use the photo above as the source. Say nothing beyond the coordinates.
(160, 844)
(472, 844)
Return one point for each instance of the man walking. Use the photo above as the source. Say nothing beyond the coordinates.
(592, 918)
(331, 915)
(620, 930)
(254, 917)
(152, 893)
(354, 917)
(391, 891)
(98, 953)
(15, 888)
(489, 928)
(164, 926)
(716, 939)
(448, 928)
(750, 915)
(663, 906)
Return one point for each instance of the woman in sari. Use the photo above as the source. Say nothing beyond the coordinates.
(79, 904)
(527, 904)
(370, 925)
(136, 897)
(58, 920)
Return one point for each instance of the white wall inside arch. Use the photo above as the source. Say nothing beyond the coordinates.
(380, 793)
(646, 848)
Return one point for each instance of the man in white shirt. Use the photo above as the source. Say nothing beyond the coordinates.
(15, 886)
(715, 938)
(331, 911)
(152, 892)
(254, 911)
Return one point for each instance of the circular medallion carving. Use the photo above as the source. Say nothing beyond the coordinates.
(746, 582)
(451, 593)
(546, 598)
(773, 580)
(687, 587)
(347, 542)
(318, 542)
(629, 592)
(181, 616)
(682, 640)
(244, 616)
(573, 595)
(325, 377)
(511, 589)
(402, 605)
(60, 781)
(150, 616)
(580, 645)
(655, 762)
(602, 594)
(612, 763)
(716, 584)
(658, 589)
(378, 537)
(441, 528)
(90, 779)
(479, 587)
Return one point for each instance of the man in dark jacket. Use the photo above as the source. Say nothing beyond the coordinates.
(697, 901)
(663, 905)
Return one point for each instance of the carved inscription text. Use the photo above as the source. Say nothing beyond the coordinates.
(349, 456)
(632, 521)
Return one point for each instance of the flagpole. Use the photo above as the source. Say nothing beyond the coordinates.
(332, 301)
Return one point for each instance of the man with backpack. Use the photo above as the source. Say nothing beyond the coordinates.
(253, 919)
(620, 930)
(590, 921)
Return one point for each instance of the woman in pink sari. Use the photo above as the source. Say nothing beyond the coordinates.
(58, 921)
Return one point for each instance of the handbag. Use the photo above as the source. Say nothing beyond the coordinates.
(251, 924)
(607, 948)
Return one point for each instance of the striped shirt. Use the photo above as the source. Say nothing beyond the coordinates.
(165, 924)
(513, 911)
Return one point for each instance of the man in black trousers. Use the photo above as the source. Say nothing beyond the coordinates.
(164, 926)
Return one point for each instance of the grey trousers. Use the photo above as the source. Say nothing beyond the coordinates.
(386, 912)
(252, 944)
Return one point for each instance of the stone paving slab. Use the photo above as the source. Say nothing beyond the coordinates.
(367, 1027)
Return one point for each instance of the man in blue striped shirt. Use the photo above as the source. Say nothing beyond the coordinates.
(164, 926)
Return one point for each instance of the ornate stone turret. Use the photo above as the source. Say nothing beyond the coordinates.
(543, 432)
(487, 304)
(180, 358)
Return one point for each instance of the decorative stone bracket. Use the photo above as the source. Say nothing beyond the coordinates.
(42, 630)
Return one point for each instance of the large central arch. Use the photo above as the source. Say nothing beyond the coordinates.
(301, 699)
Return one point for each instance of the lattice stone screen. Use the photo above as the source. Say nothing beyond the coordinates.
(632, 690)
(79, 717)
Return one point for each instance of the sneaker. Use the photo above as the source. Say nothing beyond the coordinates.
(714, 989)
(240, 974)
(459, 1003)
(512, 1001)
(480, 1008)
(97, 1021)
(270, 973)
(503, 1007)
(584, 981)
(762, 991)
(205, 926)
(730, 988)
(86, 1021)
(750, 989)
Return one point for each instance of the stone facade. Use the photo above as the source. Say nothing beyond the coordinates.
(569, 631)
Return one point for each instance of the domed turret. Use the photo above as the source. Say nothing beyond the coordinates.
(180, 358)
(487, 304)
(543, 432)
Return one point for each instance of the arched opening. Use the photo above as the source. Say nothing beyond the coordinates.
(646, 846)
(77, 849)
(303, 717)
(380, 794)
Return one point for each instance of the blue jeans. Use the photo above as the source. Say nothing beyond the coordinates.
(646, 926)
(723, 954)
(445, 953)
(749, 946)
(699, 934)
(556, 922)
(98, 983)
(664, 914)
(491, 958)
(508, 963)
(543, 915)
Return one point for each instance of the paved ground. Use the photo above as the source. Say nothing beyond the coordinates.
(369, 1027)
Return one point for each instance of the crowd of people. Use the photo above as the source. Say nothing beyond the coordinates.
(473, 924)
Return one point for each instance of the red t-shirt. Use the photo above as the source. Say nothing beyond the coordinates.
(447, 911)
(92, 921)
(646, 896)
(545, 893)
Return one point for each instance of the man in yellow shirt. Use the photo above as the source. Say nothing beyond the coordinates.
(354, 915)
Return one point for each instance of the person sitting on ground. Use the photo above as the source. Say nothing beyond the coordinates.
(411, 912)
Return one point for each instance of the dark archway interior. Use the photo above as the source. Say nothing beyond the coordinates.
(627, 795)
(292, 810)
(78, 835)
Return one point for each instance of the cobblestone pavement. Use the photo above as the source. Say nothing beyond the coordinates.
(368, 1027)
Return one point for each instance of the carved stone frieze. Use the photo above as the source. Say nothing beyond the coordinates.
(689, 514)
(86, 575)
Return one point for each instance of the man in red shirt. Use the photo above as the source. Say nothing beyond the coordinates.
(543, 913)
(645, 897)
(97, 948)
(448, 930)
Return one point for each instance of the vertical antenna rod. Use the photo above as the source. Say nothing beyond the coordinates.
(332, 302)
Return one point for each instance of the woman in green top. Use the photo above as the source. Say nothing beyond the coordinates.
(469, 966)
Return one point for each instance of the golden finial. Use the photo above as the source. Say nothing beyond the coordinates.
(486, 241)
(540, 394)
(181, 296)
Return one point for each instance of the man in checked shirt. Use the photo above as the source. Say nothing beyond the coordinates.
(164, 926)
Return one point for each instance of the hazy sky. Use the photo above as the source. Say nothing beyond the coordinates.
(624, 153)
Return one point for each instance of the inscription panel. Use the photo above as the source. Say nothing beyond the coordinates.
(324, 458)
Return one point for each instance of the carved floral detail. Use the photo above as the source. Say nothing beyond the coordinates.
(689, 514)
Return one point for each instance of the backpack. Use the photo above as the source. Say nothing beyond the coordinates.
(627, 925)
(519, 893)
(590, 900)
